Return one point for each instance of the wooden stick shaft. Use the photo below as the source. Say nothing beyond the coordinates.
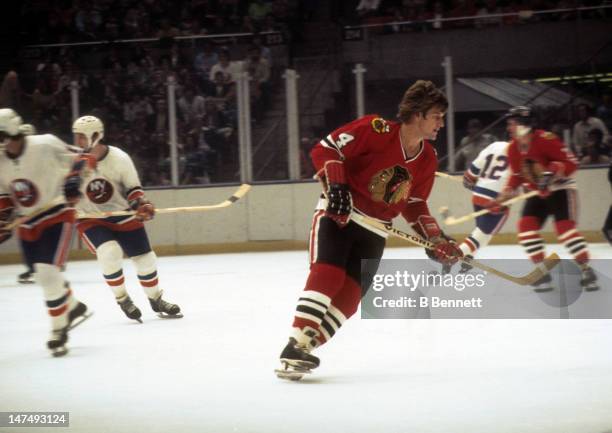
(449, 176)
(20, 220)
(239, 193)
(451, 221)
(529, 279)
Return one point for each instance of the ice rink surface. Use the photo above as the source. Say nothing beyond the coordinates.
(212, 371)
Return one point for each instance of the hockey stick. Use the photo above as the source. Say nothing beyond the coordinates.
(449, 176)
(450, 220)
(527, 280)
(237, 195)
(22, 219)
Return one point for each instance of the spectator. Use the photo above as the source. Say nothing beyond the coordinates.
(489, 7)
(258, 9)
(596, 151)
(259, 71)
(205, 60)
(604, 110)
(583, 126)
(471, 145)
(265, 51)
(191, 106)
(223, 67)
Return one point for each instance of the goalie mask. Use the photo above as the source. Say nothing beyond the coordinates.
(91, 127)
(10, 122)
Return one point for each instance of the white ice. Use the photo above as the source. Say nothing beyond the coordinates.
(212, 371)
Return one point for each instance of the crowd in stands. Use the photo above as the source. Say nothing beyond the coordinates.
(62, 21)
(429, 14)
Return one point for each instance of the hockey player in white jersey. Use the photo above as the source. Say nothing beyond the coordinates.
(486, 177)
(38, 174)
(114, 186)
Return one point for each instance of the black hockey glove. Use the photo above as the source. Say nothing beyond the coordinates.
(72, 186)
(339, 200)
(339, 203)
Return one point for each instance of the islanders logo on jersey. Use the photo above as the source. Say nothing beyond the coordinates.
(390, 185)
(99, 190)
(380, 125)
(24, 192)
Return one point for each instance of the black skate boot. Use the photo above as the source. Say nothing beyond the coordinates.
(165, 309)
(588, 282)
(544, 284)
(466, 267)
(296, 361)
(130, 310)
(26, 278)
(57, 342)
(446, 268)
(78, 315)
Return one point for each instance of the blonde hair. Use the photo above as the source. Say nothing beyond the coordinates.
(420, 98)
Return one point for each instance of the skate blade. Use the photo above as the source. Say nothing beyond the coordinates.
(592, 288)
(59, 351)
(170, 316)
(25, 281)
(297, 364)
(76, 322)
(293, 375)
(543, 289)
(139, 320)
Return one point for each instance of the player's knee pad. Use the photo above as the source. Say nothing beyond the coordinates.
(146, 263)
(529, 223)
(50, 278)
(564, 226)
(110, 257)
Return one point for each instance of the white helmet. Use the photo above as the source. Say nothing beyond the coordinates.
(10, 122)
(88, 126)
(27, 129)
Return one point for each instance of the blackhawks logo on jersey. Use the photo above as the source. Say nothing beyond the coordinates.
(380, 125)
(531, 170)
(390, 185)
(99, 190)
(24, 192)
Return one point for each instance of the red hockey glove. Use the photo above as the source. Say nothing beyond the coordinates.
(495, 206)
(145, 211)
(469, 181)
(547, 178)
(446, 251)
(339, 200)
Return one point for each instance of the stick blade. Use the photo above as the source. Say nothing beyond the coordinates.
(240, 192)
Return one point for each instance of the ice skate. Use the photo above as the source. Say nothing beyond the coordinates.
(78, 315)
(588, 282)
(544, 284)
(130, 310)
(466, 267)
(165, 309)
(57, 342)
(296, 361)
(26, 278)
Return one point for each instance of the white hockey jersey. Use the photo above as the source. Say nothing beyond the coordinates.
(110, 187)
(34, 180)
(490, 171)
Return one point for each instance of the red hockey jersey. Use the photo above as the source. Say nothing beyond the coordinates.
(384, 182)
(546, 152)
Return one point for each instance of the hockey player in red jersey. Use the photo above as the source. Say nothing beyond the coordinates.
(540, 161)
(114, 186)
(379, 169)
(39, 179)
